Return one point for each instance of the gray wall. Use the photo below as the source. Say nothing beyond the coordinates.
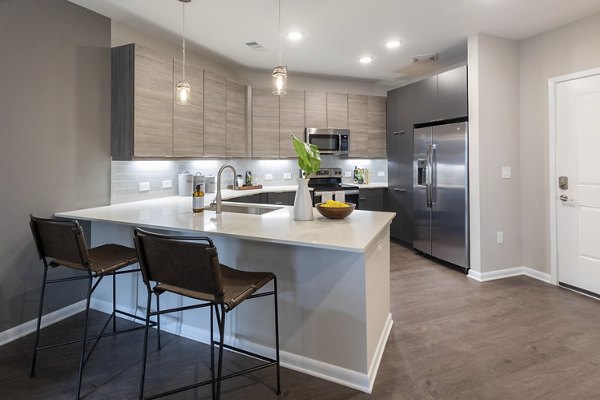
(54, 136)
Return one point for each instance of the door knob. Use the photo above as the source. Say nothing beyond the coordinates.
(563, 197)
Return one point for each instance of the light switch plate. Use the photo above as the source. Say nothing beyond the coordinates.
(287, 175)
(506, 174)
(167, 184)
(499, 237)
(347, 174)
(268, 177)
(143, 186)
(380, 173)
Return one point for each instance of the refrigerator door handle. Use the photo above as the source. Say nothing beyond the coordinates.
(433, 185)
(428, 180)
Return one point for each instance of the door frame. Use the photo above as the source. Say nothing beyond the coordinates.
(552, 83)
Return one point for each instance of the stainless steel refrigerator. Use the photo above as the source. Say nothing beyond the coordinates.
(440, 192)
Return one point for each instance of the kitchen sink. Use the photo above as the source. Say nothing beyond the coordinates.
(244, 209)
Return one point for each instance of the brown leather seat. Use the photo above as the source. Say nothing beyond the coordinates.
(189, 266)
(60, 242)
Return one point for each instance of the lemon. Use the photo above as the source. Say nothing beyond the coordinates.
(334, 204)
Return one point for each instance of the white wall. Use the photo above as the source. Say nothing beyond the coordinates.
(574, 47)
(494, 143)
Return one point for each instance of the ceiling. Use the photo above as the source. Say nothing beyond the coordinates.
(339, 32)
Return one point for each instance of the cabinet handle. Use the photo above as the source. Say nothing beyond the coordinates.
(362, 198)
(399, 132)
(399, 190)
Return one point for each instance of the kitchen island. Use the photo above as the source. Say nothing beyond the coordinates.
(333, 276)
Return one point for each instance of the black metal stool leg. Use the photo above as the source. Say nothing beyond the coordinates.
(39, 322)
(85, 328)
(158, 318)
(114, 296)
(277, 336)
(221, 322)
(143, 377)
(212, 351)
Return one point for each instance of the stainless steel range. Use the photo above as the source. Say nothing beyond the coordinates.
(327, 185)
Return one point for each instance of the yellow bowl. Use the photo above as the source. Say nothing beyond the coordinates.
(335, 212)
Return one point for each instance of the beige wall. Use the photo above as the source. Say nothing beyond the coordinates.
(574, 47)
(494, 143)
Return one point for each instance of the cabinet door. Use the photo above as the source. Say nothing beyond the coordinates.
(153, 104)
(425, 100)
(452, 94)
(371, 199)
(236, 141)
(291, 121)
(315, 104)
(188, 120)
(215, 110)
(337, 110)
(376, 108)
(281, 198)
(265, 123)
(358, 124)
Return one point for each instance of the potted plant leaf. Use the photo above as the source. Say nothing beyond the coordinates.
(309, 161)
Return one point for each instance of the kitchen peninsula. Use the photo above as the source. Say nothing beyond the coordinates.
(333, 276)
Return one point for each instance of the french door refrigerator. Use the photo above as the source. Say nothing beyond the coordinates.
(440, 192)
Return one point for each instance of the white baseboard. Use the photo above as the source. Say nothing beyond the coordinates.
(509, 272)
(51, 318)
(308, 366)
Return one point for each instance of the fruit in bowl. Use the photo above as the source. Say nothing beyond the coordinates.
(335, 209)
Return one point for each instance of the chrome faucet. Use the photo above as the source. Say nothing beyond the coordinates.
(218, 199)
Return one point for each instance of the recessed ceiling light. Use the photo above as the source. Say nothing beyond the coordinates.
(295, 35)
(366, 59)
(392, 44)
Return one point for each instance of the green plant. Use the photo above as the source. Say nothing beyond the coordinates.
(309, 159)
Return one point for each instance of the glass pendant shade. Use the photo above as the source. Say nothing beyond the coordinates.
(183, 93)
(280, 80)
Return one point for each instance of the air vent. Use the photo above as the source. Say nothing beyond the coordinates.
(425, 58)
(256, 46)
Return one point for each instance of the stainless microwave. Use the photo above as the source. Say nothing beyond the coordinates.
(329, 141)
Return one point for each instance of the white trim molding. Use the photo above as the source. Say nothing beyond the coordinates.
(48, 319)
(510, 272)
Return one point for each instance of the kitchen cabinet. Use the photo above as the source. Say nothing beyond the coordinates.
(281, 198)
(315, 109)
(337, 110)
(441, 97)
(376, 122)
(258, 198)
(371, 199)
(291, 121)
(215, 111)
(141, 103)
(236, 137)
(188, 120)
(357, 123)
(265, 124)
(399, 137)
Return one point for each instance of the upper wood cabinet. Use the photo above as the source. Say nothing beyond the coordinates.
(188, 120)
(215, 110)
(291, 121)
(236, 138)
(357, 123)
(337, 110)
(315, 108)
(141, 103)
(376, 111)
(265, 123)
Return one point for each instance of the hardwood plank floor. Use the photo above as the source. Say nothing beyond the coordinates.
(453, 338)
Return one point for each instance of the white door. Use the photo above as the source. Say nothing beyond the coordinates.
(578, 159)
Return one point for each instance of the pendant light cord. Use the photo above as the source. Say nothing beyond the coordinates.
(183, 35)
(279, 28)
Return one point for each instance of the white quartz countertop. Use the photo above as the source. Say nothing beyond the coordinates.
(377, 185)
(353, 233)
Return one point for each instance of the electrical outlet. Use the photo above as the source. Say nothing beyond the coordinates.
(287, 175)
(380, 173)
(499, 237)
(506, 174)
(167, 184)
(268, 177)
(143, 186)
(347, 174)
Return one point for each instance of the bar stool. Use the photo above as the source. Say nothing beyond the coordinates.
(189, 266)
(60, 242)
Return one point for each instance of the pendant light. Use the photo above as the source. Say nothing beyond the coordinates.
(183, 87)
(279, 72)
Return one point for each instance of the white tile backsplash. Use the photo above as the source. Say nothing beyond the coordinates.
(126, 175)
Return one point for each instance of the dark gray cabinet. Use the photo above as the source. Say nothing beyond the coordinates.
(371, 199)
(398, 197)
(258, 198)
(441, 97)
(281, 198)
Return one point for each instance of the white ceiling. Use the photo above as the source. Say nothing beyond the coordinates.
(338, 32)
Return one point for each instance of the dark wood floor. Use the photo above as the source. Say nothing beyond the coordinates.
(453, 338)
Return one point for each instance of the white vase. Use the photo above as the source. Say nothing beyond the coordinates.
(303, 209)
